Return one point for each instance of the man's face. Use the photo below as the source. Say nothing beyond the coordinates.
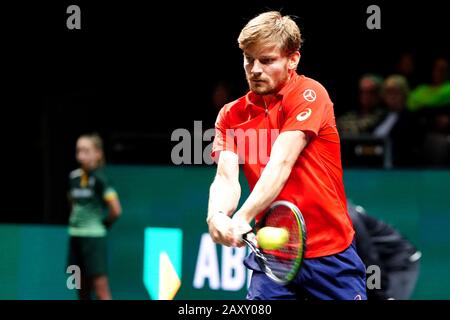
(440, 70)
(368, 94)
(394, 97)
(267, 68)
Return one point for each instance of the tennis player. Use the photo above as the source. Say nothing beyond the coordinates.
(90, 194)
(300, 163)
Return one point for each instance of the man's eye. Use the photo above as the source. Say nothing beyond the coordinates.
(267, 61)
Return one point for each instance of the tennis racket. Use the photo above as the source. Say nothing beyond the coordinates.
(281, 264)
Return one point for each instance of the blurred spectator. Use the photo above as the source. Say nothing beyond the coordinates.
(398, 123)
(432, 103)
(437, 143)
(437, 93)
(406, 67)
(366, 117)
(221, 95)
(95, 208)
(379, 244)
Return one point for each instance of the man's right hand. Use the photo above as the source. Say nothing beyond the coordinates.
(220, 229)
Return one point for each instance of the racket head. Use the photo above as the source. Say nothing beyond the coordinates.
(282, 264)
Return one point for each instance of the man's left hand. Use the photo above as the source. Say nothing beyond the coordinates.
(240, 226)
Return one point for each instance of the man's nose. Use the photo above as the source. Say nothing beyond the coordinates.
(256, 68)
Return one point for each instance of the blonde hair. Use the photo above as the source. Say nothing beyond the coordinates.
(97, 141)
(271, 27)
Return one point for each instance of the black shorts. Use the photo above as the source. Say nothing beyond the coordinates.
(89, 253)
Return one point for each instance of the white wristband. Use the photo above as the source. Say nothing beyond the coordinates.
(212, 215)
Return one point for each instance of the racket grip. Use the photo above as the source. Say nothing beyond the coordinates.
(250, 236)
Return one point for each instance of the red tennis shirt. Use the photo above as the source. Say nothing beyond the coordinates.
(249, 128)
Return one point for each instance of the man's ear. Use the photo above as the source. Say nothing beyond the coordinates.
(294, 59)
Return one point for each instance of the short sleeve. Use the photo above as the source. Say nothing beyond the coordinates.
(223, 138)
(108, 192)
(307, 109)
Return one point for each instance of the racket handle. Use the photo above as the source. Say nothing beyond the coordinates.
(250, 236)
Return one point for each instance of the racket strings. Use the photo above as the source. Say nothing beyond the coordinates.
(282, 260)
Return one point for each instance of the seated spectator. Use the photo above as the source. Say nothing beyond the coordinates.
(398, 124)
(406, 66)
(433, 95)
(379, 244)
(368, 113)
(432, 104)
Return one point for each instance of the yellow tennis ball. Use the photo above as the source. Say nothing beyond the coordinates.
(271, 238)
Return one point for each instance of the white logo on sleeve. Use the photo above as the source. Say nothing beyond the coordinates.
(304, 115)
(309, 95)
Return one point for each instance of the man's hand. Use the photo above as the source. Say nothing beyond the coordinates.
(220, 229)
(240, 226)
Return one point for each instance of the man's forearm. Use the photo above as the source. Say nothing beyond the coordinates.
(224, 196)
(285, 152)
(266, 189)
